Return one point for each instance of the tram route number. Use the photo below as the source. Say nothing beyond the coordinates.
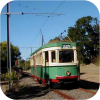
(66, 46)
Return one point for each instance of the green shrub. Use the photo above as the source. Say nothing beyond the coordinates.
(9, 76)
(12, 78)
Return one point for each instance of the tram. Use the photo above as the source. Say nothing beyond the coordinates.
(55, 63)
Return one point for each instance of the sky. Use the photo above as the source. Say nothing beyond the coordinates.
(25, 29)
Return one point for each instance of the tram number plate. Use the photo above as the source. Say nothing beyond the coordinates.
(67, 68)
(66, 46)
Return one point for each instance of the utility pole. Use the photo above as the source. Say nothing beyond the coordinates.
(42, 40)
(42, 37)
(8, 43)
(8, 34)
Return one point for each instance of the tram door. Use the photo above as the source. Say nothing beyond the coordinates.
(78, 53)
(46, 64)
(46, 58)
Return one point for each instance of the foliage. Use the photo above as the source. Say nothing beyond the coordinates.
(25, 64)
(27, 67)
(56, 39)
(9, 76)
(12, 78)
(86, 34)
(59, 39)
(22, 63)
(96, 60)
(15, 53)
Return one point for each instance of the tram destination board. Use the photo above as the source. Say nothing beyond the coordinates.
(65, 46)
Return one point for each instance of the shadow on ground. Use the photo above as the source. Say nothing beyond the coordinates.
(89, 85)
(82, 84)
(28, 92)
(82, 73)
(25, 74)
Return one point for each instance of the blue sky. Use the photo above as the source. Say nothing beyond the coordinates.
(25, 29)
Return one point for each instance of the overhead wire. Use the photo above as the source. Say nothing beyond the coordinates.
(46, 21)
(47, 16)
(24, 6)
(51, 15)
(58, 6)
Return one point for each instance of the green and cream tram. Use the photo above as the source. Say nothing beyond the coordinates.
(55, 63)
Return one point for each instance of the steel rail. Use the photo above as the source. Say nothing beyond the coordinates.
(65, 96)
(87, 91)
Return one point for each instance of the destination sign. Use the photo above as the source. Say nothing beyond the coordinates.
(65, 46)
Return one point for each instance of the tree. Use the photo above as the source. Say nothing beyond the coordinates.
(56, 39)
(59, 39)
(15, 53)
(22, 63)
(86, 34)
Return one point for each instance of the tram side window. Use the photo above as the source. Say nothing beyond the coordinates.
(46, 56)
(53, 58)
(39, 58)
(66, 56)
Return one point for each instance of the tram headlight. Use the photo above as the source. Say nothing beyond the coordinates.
(68, 73)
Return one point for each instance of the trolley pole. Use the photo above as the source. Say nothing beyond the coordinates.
(8, 43)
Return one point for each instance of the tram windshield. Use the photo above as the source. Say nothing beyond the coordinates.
(66, 56)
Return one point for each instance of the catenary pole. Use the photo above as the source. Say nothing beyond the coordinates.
(8, 34)
(8, 43)
(8, 38)
(8, 31)
(42, 37)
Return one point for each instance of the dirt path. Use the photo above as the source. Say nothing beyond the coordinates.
(90, 72)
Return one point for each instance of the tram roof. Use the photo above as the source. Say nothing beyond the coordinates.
(56, 44)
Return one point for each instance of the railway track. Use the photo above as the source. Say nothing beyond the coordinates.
(87, 91)
(57, 91)
(65, 95)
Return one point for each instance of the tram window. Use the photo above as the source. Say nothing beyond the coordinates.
(66, 56)
(53, 56)
(46, 56)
